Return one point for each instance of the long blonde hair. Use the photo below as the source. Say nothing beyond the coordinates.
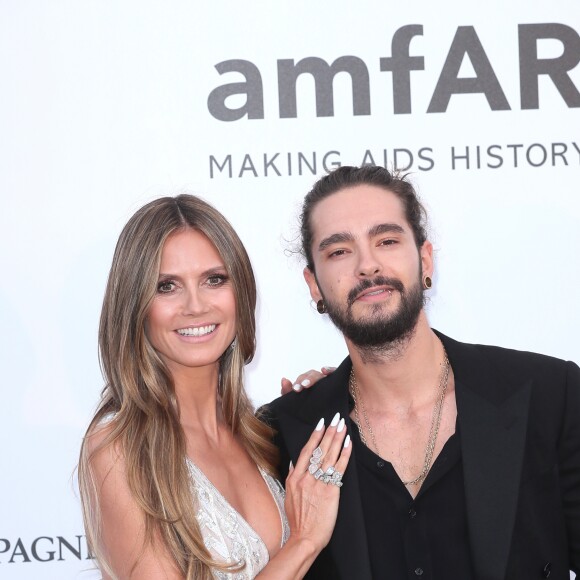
(138, 400)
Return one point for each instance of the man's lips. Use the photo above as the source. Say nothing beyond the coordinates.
(377, 286)
(374, 291)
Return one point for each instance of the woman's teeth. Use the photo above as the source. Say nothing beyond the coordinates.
(196, 331)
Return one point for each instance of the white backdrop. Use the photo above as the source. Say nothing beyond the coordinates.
(104, 106)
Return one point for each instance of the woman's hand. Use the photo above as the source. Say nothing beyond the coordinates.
(311, 504)
(305, 380)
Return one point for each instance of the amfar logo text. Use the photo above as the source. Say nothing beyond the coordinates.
(400, 64)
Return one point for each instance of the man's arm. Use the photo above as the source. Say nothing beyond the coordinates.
(569, 462)
(266, 414)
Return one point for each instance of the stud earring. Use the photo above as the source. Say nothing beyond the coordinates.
(321, 307)
(427, 282)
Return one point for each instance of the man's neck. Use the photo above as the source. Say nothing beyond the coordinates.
(404, 374)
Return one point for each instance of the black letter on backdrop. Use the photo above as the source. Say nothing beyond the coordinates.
(227, 163)
(34, 550)
(252, 88)
(401, 64)
(6, 546)
(21, 552)
(62, 542)
(531, 67)
(323, 74)
(466, 42)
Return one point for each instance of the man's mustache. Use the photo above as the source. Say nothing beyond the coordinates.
(363, 285)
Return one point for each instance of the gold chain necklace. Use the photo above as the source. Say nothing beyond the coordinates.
(435, 419)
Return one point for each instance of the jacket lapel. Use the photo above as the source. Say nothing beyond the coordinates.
(492, 417)
(348, 544)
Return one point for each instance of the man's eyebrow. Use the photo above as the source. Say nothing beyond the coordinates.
(387, 228)
(335, 239)
(341, 237)
(377, 230)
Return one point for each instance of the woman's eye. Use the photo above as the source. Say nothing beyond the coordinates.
(165, 287)
(217, 280)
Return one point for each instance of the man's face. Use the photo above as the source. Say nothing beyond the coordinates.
(368, 268)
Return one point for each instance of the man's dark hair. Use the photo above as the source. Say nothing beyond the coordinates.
(347, 176)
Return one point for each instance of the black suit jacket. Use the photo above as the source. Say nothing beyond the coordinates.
(519, 418)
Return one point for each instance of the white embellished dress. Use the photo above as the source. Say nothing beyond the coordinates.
(226, 534)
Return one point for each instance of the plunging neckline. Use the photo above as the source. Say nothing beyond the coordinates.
(229, 506)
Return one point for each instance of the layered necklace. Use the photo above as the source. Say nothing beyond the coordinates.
(435, 419)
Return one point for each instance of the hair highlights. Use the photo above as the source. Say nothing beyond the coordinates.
(138, 402)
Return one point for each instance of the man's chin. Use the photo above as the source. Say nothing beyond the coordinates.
(377, 336)
(376, 314)
(380, 329)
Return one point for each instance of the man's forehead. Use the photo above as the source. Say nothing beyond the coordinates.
(357, 209)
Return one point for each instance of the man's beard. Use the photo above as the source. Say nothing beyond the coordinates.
(378, 333)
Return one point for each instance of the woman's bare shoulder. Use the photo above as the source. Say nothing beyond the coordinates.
(104, 452)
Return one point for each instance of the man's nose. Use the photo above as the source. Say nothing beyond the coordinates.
(368, 264)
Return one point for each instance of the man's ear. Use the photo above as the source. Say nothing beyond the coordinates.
(312, 284)
(426, 255)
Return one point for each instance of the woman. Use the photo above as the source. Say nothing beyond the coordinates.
(176, 473)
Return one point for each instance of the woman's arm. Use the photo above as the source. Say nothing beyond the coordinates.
(122, 533)
(311, 505)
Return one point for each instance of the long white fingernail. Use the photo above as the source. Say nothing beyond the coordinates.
(329, 369)
(305, 382)
(320, 424)
(347, 441)
(340, 425)
(335, 420)
(297, 387)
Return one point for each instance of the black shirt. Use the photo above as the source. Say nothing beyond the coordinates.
(408, 538)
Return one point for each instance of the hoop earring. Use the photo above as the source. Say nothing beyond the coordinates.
(427, 282)
(321, 307)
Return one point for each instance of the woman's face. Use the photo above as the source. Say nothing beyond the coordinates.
(192, 319)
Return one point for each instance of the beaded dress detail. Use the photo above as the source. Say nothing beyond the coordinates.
(226, 534)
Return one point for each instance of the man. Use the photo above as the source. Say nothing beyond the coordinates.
(466, 458)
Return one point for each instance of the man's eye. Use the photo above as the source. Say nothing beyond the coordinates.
(388, 242)
(217, 280)
(336, 253)
(165, 287)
